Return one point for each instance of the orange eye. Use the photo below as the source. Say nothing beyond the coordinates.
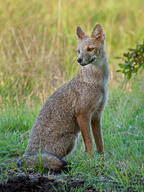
(90, 48)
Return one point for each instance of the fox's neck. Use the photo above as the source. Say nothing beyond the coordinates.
(95, 73)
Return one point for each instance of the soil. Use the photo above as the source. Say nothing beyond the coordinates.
(29, 183)
(21, 181)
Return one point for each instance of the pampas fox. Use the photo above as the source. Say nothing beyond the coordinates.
(75, 107)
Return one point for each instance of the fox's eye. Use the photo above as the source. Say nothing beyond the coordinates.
(90, 48)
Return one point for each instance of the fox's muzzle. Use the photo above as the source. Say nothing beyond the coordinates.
(83, 62)
(79, 60)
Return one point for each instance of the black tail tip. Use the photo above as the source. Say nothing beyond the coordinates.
(67, 167)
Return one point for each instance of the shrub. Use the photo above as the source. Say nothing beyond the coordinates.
(132, 61)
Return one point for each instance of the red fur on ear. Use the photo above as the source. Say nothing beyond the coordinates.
(80, 33)
(98, 33)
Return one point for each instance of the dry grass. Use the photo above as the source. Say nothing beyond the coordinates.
(38, 43)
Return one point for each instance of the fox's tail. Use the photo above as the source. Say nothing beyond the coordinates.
(45, 159)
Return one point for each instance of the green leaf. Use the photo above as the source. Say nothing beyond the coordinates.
(121, 65)
(118, 70)
(117, 57)
(128, 76)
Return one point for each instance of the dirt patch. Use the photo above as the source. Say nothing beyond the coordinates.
(18, 180)
(31, 183)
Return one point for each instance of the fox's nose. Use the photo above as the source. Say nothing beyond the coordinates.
(79, 60)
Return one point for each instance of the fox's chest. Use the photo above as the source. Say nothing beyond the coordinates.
(100, 103)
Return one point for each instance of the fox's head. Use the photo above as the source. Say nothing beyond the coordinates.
(90, 49)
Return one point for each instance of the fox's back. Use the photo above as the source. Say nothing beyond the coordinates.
(57, 114)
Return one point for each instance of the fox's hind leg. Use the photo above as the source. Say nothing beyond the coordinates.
(64, 145)
(52, 157)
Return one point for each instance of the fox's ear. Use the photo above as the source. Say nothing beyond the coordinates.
(98, 33)
(80, 33)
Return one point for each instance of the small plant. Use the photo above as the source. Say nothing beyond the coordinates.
(132, 61)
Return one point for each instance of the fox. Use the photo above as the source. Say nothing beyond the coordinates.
(76, 107)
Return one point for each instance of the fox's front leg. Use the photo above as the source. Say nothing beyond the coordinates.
(97, 133)
(84, 125)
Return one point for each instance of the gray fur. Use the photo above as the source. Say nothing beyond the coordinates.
(56, 128)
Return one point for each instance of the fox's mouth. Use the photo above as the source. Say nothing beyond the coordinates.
(91, 60)
(88, 61)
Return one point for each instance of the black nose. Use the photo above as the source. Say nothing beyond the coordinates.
(79, 60)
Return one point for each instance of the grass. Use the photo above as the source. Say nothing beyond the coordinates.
(123, 136)
(38, 54)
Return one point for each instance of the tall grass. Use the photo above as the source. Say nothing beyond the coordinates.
(38, 42)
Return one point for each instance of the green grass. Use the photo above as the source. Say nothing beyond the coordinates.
(123, 135)
(38, 54)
